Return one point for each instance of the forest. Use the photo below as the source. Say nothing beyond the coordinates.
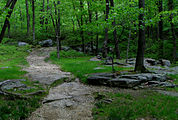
(103, 59)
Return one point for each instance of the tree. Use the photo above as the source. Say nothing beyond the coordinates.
(171, 6)
(139, 66)
(33, 9)
(6, 23)
(56, 25)
(28, 17)
(105, 44)
(117, 51)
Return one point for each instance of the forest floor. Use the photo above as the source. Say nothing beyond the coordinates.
(73, 100)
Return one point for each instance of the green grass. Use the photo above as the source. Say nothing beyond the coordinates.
(126, 106)
(174, 79)
(80, 65)
(11, 60)
(17, 109)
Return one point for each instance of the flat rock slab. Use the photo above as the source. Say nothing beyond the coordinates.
(128, 81)
(11, 84)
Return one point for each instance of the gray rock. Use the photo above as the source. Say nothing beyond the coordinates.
(12, 84)
(46, 43)
(65, 48)
(95, 59)
(124, 82)
(4, 67)
(144, 77)
(98, 80)
(103, 74)
(165, 63)
(22, 44)
(150, 61)
(99, 68)
(167, 84)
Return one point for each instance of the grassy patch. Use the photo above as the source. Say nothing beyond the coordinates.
(129, 107)
(11, 60)
(17, 109)
(174, 79)
(80, 65)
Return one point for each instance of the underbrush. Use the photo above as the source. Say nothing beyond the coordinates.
(12, 59)
(124, 106)
(80, 65)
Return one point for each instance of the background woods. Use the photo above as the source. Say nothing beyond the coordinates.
(97, 27)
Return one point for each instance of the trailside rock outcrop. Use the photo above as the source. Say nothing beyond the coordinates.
(129, 80)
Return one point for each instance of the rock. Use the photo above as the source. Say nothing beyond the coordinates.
(95, 59)
(46, 43)
(65, 48)
(99, 68)
(12, 84)
(98, 80)
(131, 61)
(167, 84)
(22, 44)
(124, 82)
(4, 67)
(99, 56)
(145, 77)
(103, 74)
(165, 62)
(151, 61)
(36, 92)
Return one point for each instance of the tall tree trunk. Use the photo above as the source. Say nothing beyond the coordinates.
(139, 66)
(171, 6)
(97, 36)
(28, 17)
(7, 20)
(128, 46)
(117, 51)
(81, 29)
(160, 28)
(90, 21)
(57, 27)
(33, 9)
(42, 10)
(9, 27)
(105, 44)
(46, 21)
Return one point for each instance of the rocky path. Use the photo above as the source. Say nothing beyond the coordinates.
(68, 101)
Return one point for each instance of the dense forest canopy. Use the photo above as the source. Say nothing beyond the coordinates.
(95, 23)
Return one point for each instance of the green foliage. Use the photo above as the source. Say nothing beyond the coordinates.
(68, 54)
(17, 109)
(147, 104)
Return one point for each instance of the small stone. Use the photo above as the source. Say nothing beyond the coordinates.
(22, 44)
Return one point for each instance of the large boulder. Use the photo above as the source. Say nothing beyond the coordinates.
(124, 82)
(164, 62)
(100, 78)
(127, 81)
(46, 43)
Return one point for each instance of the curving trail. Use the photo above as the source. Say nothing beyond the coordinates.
(68, 101)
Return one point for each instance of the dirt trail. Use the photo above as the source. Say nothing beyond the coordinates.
(68, 101)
